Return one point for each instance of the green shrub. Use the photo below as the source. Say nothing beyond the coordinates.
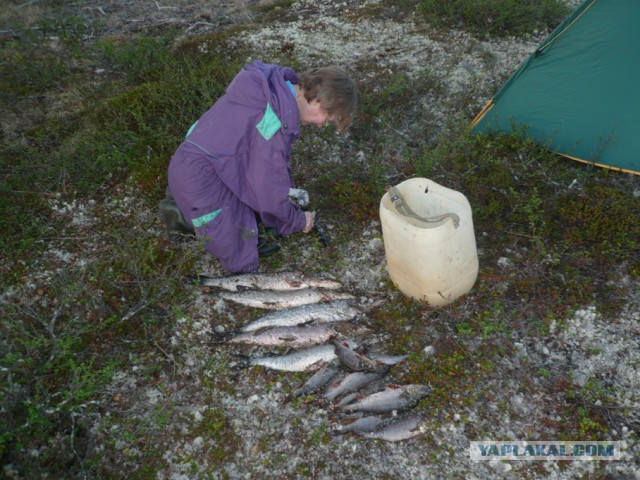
(495, 17)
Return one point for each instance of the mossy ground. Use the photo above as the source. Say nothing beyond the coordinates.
(98, 301)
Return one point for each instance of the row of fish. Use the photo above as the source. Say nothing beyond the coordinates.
(312, 317)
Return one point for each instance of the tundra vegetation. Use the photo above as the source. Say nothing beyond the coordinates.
(93, 290)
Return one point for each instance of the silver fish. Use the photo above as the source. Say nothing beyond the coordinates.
(348, 398)
(363, 424)
(268, 281)
(401, 428)
(389, 399)
(279, 300)
(386, 358)
(353, 360)
(349, 383)
(318, 380)
(367, 389)
(297, 361)
(296, 336)
(336, 311)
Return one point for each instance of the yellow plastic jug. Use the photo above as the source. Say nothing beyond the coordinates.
(429, 241)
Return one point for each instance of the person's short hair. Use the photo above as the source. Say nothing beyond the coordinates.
(335, 90)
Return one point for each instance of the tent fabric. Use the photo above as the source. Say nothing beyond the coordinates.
(579, 92)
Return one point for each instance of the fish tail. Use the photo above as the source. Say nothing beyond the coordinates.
(220, 338)
(206, 281)
(195, 279)
(243, 361)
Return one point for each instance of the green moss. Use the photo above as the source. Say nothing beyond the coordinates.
(274, 10)
(451, 372)
(563, 226)
(603, 222)
(216, 427)
(495, 17)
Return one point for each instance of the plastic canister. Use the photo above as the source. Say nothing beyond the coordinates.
(429, 241)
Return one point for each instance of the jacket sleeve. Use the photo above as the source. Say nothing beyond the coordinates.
(259, 176)
(268, 183)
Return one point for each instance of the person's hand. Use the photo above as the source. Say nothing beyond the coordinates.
(310, 217)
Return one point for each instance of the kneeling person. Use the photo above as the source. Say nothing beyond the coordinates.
(230, 179)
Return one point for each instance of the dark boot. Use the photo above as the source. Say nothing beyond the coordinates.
(266, 247)
(267, 244)
(177, 227)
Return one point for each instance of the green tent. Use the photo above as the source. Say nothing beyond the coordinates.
(579, 92)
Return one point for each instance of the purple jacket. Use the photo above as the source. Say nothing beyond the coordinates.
(234, 164)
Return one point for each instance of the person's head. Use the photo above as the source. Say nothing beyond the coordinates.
(332, 93)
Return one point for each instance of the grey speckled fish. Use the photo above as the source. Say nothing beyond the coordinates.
(297, 361)
(389, 399)
(278, 300)
(387, 359)
(398, 429)
(336, 311)
(298, 335)
(268, 281)
(349, 383)
(318, 380)
(362, 425)
(355, 361)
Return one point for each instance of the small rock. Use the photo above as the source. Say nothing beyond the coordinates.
(504, 262)
(579, 378)
(376, 244)
(198, 442)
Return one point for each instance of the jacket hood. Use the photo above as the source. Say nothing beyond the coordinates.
(259, 84)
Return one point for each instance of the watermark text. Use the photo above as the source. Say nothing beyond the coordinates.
(551, 450)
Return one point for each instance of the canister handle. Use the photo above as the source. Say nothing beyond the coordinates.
(403, 208)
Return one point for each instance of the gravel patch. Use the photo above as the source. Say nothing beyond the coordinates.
(207, 418)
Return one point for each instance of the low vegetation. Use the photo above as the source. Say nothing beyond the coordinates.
(495, 17)
(96, 121)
